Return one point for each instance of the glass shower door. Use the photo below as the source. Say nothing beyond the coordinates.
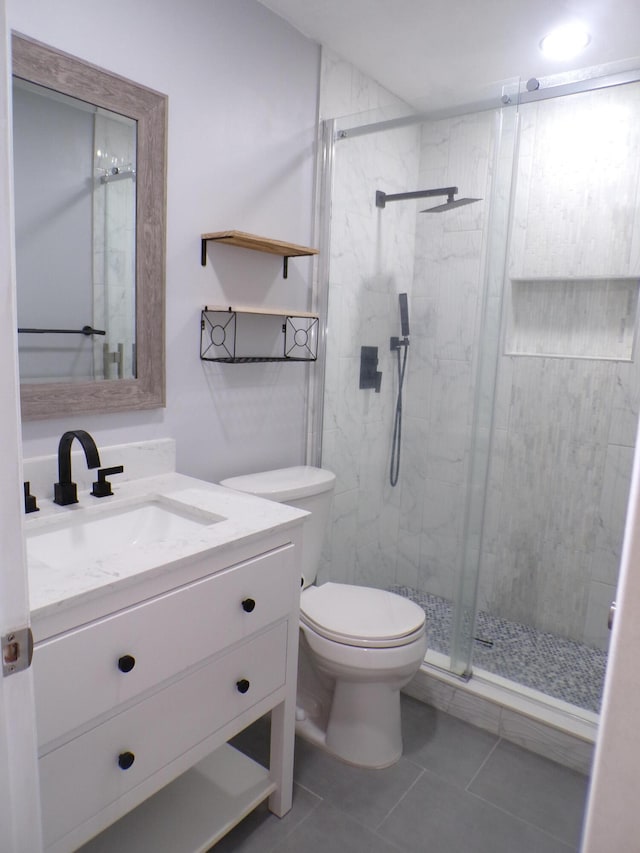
(566, 399)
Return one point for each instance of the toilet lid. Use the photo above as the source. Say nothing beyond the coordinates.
(360, 616)
(284, 484)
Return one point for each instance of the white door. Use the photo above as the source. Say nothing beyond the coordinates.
(19, 793)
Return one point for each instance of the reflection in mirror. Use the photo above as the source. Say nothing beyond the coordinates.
(90, 187)
(74, 177)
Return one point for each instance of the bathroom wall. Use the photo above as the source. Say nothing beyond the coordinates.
(371, 262)
(243, 89)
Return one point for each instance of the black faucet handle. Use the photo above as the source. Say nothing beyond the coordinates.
(29, 499)
(102, 487)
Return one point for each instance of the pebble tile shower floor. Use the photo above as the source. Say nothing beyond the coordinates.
(554, 665)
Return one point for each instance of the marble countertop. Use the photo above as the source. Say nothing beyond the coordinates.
(60, 584)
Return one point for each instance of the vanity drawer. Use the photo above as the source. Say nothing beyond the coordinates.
(83, 777)
(87, 672)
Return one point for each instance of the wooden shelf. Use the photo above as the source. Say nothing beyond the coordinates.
(269, 312)
(259, 244)
(193, 812)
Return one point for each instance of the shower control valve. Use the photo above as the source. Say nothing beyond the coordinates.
(397, 343)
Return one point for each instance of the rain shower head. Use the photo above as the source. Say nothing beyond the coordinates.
(382, 198)
(450, 204)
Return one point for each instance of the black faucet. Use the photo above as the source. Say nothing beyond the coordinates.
(66, 492)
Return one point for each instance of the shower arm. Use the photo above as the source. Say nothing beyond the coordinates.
(382, 198)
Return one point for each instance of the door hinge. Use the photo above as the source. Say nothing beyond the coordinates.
(17, 651)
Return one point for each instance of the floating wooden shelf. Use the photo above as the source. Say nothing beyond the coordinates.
(259, 244)
(270, 312)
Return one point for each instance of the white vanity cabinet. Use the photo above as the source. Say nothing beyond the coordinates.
(135, 707)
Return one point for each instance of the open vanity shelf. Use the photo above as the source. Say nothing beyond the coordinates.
(248, 335)
(215, 794)
(259, 244)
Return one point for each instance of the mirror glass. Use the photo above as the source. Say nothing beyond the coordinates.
(75, 187)
(90, 190)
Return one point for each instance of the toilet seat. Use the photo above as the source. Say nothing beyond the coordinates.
(360, 616)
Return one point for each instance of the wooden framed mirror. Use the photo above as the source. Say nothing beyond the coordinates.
(138, 380)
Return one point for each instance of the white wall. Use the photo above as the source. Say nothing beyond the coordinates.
(613, 819)
(242, 88)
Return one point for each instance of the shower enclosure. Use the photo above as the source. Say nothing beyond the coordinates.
(522, 383)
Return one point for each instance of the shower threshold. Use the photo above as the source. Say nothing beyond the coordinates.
(554, 666)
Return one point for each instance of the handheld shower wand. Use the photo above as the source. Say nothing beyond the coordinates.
(404, 315)
(396, 344)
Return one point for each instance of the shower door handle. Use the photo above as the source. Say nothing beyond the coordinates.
(612, 613)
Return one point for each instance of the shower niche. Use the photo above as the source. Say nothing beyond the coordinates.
(592, 318)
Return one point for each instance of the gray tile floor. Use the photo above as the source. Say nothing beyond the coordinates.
(457, 789)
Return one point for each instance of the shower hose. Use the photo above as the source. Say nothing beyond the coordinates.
(394, 469)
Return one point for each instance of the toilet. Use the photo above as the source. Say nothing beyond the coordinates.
(358, 646)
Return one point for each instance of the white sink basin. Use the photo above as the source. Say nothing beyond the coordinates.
(84, 538)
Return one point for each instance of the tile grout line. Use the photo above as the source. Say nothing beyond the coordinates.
(298, 824)
(570, 847)
(397, 803)
(482, 765)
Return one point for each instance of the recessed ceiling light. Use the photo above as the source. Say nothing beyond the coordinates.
(565, 42)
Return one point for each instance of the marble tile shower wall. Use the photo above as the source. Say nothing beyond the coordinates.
(565, 427)
(445, 304)
(371, 262)
(372, 257)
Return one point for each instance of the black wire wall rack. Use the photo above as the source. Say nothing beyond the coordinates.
(250, 335)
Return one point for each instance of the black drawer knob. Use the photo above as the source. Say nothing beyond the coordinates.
(248, 605)
(126, 663)
(242, 685)
(125, 760)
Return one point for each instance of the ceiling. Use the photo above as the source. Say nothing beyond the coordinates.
(434, 53)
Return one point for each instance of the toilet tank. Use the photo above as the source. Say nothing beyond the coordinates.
(302, 486)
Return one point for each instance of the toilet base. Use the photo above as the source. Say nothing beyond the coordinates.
(363, 728)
